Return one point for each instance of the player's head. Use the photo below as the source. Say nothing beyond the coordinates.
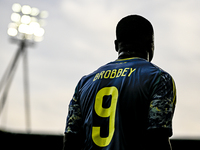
(135, 33)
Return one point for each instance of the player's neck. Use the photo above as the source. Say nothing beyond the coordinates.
(129, 54)
(129, 50)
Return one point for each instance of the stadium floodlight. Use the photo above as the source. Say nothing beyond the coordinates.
(27, 23)
(26, 28)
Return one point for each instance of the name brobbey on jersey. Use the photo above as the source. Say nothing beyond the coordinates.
(115, 73)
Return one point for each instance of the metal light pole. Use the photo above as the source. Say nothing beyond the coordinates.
(25, 29)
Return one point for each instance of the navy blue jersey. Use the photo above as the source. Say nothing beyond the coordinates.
(114, 106)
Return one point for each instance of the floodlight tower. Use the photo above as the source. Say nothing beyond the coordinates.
(25, 29)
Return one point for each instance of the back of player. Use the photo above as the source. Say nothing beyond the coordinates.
(118, 103)
(125, 104)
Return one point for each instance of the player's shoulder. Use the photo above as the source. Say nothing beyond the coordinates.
(162, 75)
(157, 68)
(153, 72)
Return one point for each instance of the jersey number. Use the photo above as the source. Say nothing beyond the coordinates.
(104, 113)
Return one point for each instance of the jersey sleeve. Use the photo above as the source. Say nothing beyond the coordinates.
(74, 118)
(162, 105)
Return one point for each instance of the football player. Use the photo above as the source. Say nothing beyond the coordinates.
(126, 104)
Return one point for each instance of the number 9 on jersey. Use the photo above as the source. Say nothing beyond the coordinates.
(104, 113)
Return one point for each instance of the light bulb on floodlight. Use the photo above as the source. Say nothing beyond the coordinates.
(34, 25)
(29, 30)
(16, 7)
(15, 17)
(12, 31)
(23, 28)
(26, 9)
(39, 32)
(25, 19)
(34, 11)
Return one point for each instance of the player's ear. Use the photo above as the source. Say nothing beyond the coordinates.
(116, 45)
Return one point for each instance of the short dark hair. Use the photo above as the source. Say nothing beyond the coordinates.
(136, 30)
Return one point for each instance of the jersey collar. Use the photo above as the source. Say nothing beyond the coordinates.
(128, 58)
